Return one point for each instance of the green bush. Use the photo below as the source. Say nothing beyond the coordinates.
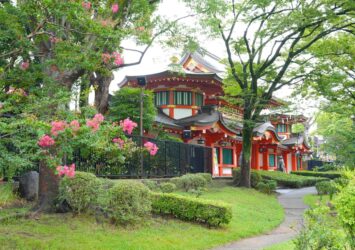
(267, 187)
(167, 187)
(329, 174)
(189, 182)
(129, 202)
(152, 185)
(206, 176)
(79, 192)
(326, 187)
(290, 180)
(255, 177)
(192, 209)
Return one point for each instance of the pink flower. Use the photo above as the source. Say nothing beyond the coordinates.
(119, 142)
(25, 65)
(65, 170)
(86, 5)
(99, 118)
(127, 125)
(93, 124)
(58, 126)
(118, 60)
(45, 141)
(140, 28)
(104, 23)
(115, 8)
(151, 147)
(106, 57)
(75, 125)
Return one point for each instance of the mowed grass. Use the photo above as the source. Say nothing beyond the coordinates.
(287, 245)
(253, 213)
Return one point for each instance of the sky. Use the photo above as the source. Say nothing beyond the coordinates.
(158, 57)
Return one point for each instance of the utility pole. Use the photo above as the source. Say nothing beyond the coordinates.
(141, 82)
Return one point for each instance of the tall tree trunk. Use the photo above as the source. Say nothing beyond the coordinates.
(248, 127)
(101, 84)
(48, 188)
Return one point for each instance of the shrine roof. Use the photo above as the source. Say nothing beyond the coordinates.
(166, 120)
(261, 128)
(295, 140)
(164, 73)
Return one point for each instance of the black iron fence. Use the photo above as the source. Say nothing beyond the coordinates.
(172, 159)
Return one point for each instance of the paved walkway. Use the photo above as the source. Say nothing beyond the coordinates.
(292, 202)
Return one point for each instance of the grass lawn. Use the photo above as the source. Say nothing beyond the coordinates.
(253, 213)
(287, 245)
(314, 200)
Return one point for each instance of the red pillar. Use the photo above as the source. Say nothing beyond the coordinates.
(220, 168)
(294, 162)
(265, 160)
(256, 155)
(284, 155)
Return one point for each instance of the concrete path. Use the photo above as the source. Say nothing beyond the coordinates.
(292, 202)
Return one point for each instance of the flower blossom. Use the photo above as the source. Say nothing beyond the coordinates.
(151, 147)
(58, 126)
(86, 5)
(25, 65)
(99, 118)
(127, 125)
(65, 170)
(75, 125)
(94, 125)
(140, 28)
(106, 57)
(119, 142)
(118, 60)
(115, 8)
(45, 141)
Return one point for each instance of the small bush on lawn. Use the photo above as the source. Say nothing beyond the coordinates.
(167, 187)
(290, 180)
(192, 209)
(206, 176)
(326, 187)
(79, 192)
(152, 185)
(329, 174)
(266, 187)
(255, 177)
(129, 202)
(189, 181)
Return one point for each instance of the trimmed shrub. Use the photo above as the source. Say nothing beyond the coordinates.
(255, 177)
(266, 187)
(79, 192)
(329, 174)
(326, 187)
(189, 182)
(206, 176)
(290, 180)
(152, 185)
(129, 202)
(167, 187)
(192, 209)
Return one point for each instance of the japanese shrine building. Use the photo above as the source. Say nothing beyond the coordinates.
(189, 107)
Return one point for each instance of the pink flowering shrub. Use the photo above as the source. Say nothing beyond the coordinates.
(46, 141)
(58, 126)
(66, 171)
(25, 65)
(118, 60)
(106, 57)
(127, 125)
(119, 142)
(86, 5)
(115, 8)
(151, 147)
(74, 125)
(95, 122)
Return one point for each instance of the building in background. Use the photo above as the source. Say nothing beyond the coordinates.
(190, 106)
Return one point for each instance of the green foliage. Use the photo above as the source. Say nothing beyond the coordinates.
(267, 187)
(326, 187)
(290, 180)
(192, 209)
(129, 202)
(189, 182)
(320, 232)
(167, 187)
(152, 185)
(206, 176)
(345, 205)
(328, 174)
(126, 103)
(255, 177)
(79, 192)
(7, 195)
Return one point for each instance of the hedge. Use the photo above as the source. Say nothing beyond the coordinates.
(192, 209)
(290, 180)
(255, 177)
(329, 174)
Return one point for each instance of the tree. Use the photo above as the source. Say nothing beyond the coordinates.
(126, 103)
(267, 43)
